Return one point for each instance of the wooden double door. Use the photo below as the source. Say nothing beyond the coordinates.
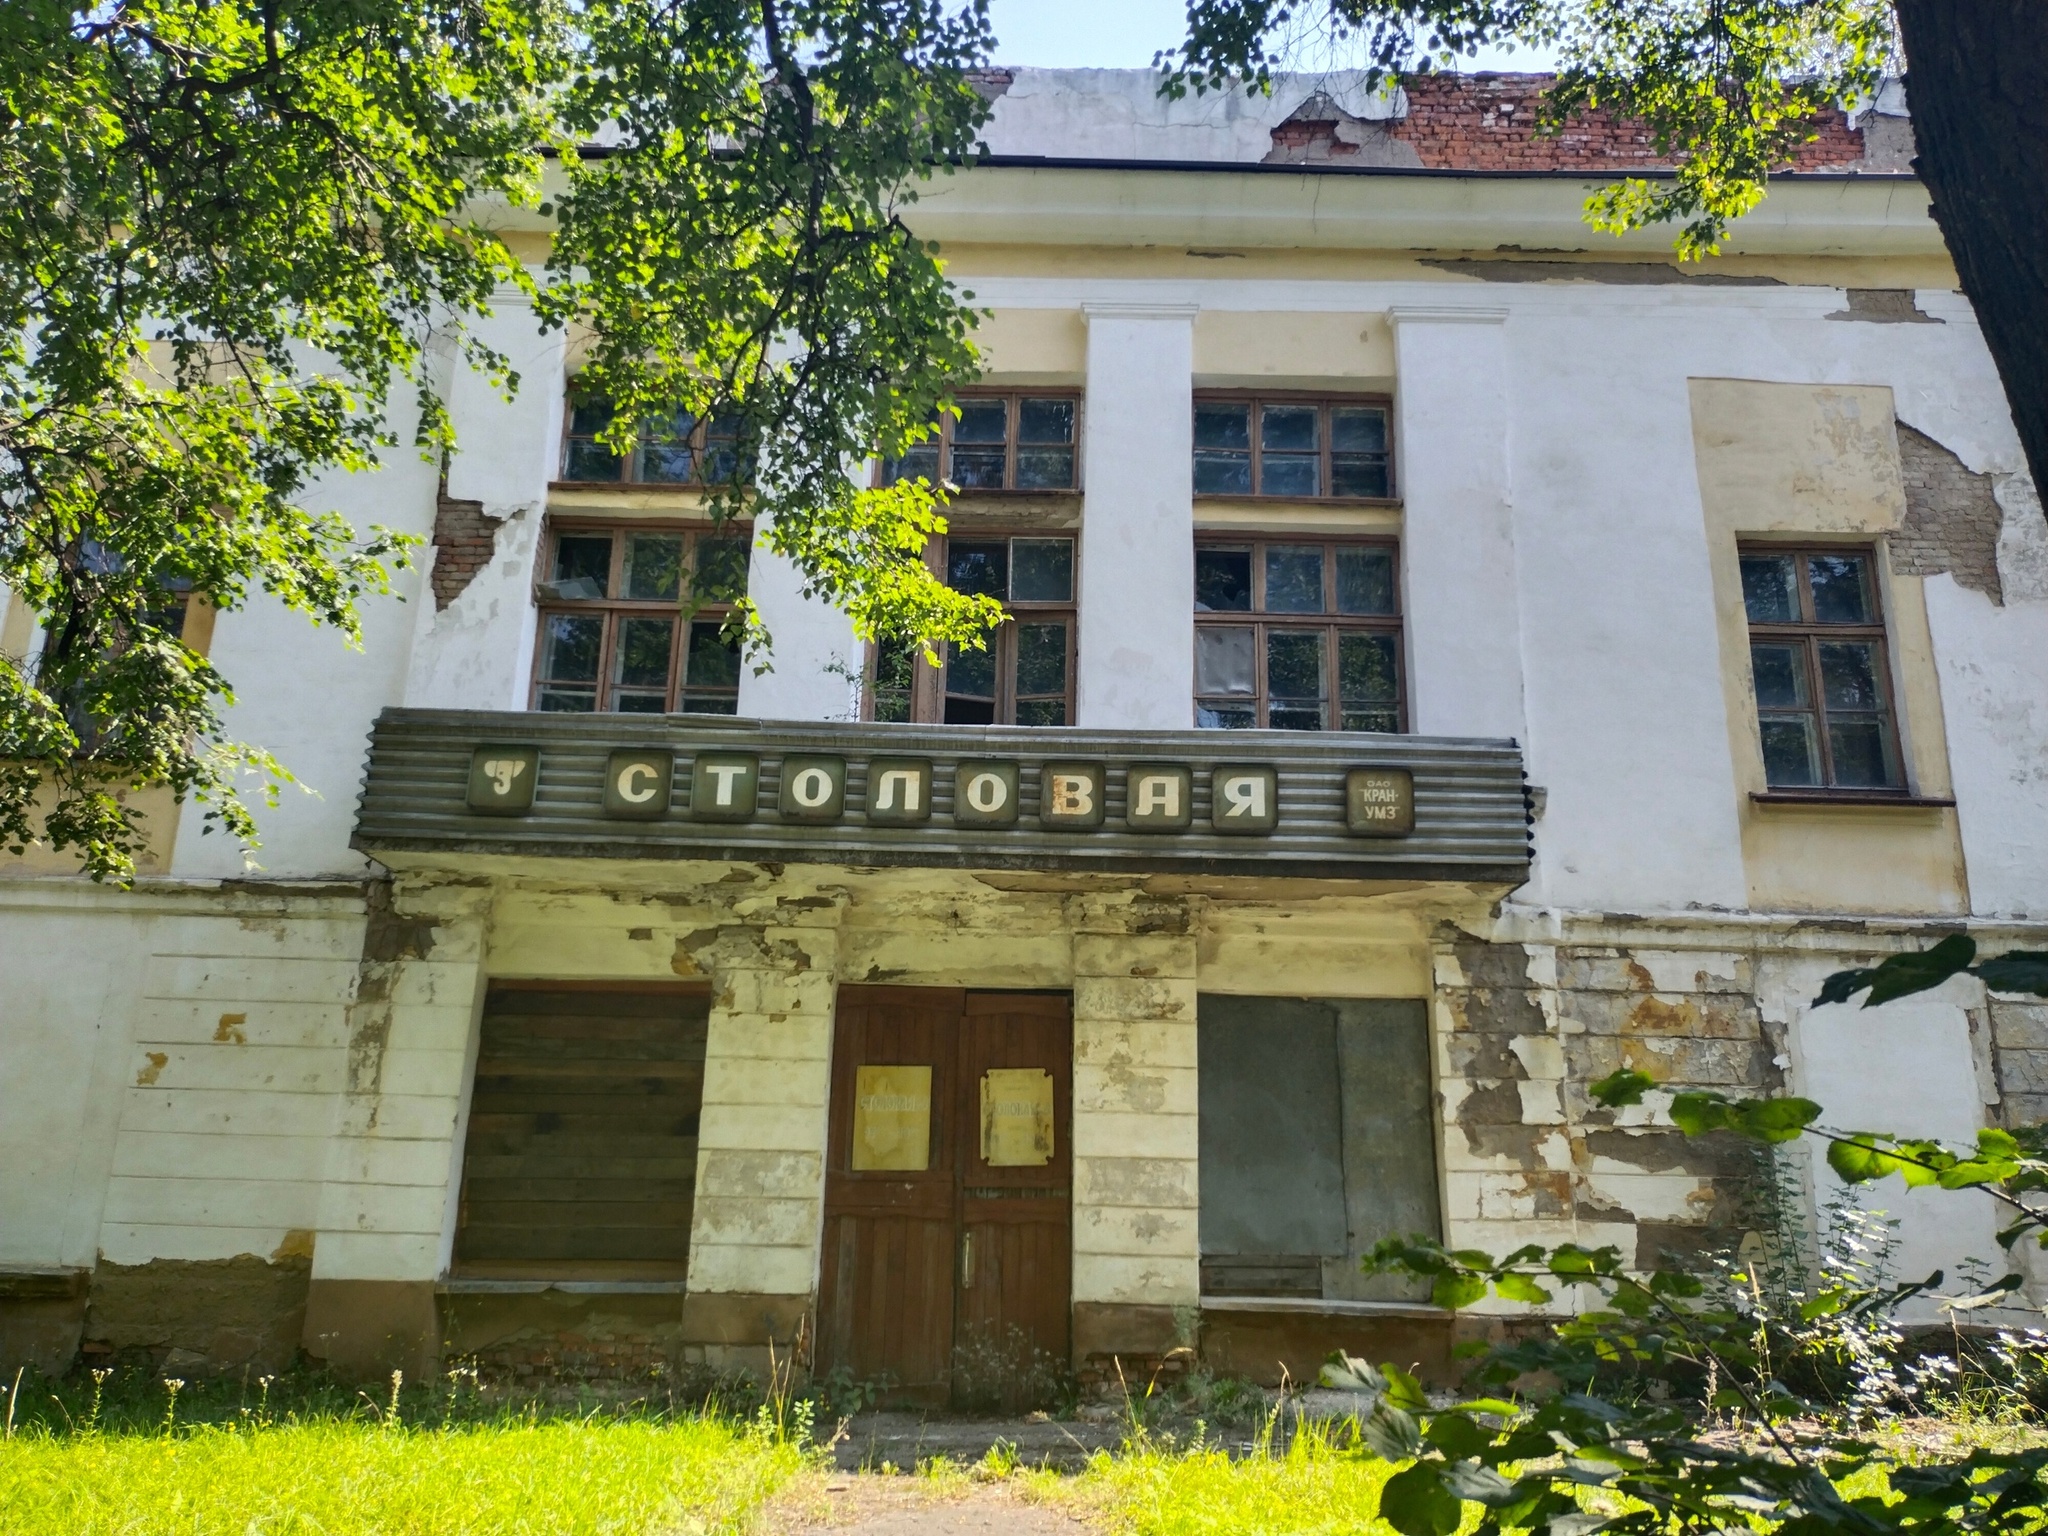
(947, 1257)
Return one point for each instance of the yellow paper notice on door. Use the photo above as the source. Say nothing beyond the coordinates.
(892, 1119)
(1016, 1117)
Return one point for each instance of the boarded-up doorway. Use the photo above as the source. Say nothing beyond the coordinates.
(948, 1245)
(581, 1156)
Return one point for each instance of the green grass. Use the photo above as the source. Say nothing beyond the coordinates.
(1155, 1488)
(348, 1477)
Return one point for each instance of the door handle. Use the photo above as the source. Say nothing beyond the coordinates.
(966, 1261)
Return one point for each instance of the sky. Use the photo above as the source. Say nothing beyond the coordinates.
(1124, 34)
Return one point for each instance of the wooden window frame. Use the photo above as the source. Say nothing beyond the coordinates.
(928, 684)
(1009, 487)
(614, 608)
(1330, 622)
(1324, 402)
(632, 467)
(1809, 633)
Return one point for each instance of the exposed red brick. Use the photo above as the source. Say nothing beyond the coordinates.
(464, 541)
(1487, 122)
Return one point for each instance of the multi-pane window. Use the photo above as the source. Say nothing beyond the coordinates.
(1283, 445)
(632, 619)
(1298, 635)
(998, 442)
(679, 451)
(1025, 675)
(1817, 653)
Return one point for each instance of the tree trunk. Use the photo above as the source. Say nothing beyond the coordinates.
(1977, 86)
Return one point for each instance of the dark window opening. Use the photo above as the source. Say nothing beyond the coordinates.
(678, 450)
(997, 442)
(1024, 672)
(1292, 447)
(1817, 658)
(1293, 634)
(633, 620)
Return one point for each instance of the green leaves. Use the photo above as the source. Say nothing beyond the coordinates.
(1870, 1155)
(1415, 1502)
(1901, 975)
(1767, 1120)
(1618, 1089)
(2019, 970)
(236, 232)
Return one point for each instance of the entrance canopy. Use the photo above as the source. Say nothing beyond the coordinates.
(1332, 805)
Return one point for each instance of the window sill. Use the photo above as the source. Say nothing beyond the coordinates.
(482, 1287)
(1860, 798)
(1316, 1304)
(1390, 503)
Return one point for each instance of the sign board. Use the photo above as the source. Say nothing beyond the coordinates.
(1016, 1117)
(1237, 799)
(892, 1119)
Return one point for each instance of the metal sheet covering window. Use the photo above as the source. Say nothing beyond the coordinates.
(632, 618)
(1298, 634)
(1818, 658)
(1317, 1140)
(1025, 674)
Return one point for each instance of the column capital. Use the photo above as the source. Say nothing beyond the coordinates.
(1444, 314)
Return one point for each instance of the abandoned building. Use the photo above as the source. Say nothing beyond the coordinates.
(1452, 655)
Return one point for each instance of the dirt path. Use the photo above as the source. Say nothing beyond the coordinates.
(866, 1504)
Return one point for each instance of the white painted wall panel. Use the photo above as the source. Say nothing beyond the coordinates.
(1137, 640)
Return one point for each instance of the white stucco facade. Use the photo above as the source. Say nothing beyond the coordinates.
(274, 1062)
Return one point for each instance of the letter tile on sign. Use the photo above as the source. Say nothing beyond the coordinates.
(1379, 802)
(899, 791)
(985, 794)
(1159, 797)
(1070, 795)
(636, 784)
(723, 786)
(813, 788)
(1244, 798)
(501, 779)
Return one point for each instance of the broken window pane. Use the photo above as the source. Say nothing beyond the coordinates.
(583, 567)
(1223, 580)
(711, 673)
(641, 657)
(1224, 660)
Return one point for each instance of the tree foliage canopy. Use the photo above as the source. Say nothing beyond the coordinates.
(243, 237)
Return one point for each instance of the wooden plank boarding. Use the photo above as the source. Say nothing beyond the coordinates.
(580, 1157)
